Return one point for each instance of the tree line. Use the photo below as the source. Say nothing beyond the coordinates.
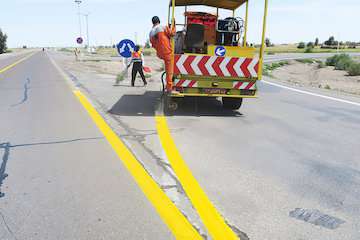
(330, 43)
(3, 39)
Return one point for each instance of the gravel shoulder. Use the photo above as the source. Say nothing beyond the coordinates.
(311, 75)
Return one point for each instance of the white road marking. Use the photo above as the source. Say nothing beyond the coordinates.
(312, 94)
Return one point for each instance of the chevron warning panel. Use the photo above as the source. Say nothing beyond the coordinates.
(195, 65)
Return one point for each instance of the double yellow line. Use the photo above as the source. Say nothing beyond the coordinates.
(180, 227)
(170, 214)
(15, 63)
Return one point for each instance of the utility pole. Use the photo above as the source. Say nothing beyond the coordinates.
(87, 30)
(136, 38)
(78, 2)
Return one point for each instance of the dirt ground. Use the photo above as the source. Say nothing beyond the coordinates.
(103, 64)
(310, 75)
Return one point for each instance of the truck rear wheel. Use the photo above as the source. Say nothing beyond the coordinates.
(170, 105)
(232, 103)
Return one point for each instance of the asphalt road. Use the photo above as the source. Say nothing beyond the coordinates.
(285, 157)
(10, 58)
(283, 151)
(59, 178)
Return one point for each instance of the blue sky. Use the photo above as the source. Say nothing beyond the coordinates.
(55, 23)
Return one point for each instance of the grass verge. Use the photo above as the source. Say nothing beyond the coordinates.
(345, 63)
(268, 68)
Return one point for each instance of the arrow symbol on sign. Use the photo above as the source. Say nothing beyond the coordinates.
(122, 49)
(220, 51)
(130, 48)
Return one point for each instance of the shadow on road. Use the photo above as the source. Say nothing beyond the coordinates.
(150, 103)
(204, 107)
(137, 105)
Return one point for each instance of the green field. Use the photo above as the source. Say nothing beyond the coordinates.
(113, 52)
(293, 49)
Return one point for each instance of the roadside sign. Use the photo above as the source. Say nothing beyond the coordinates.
(79, 40)
(220, 51)
(125, 48)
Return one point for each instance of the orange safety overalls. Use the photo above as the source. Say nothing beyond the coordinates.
(160, 39)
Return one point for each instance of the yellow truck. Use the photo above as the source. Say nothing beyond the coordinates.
(211, 55)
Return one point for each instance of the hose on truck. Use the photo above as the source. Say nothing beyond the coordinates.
(163, 76)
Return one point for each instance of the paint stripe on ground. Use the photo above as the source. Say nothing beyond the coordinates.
(312, 94)
(170, 214)
(15, 63)
(212, 219)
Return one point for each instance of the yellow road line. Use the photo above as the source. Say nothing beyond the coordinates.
(212, 219)
(15, 63)
(170, 214)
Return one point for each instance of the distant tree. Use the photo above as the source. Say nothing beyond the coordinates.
(317, 42)
(310, 45)
(3, 39)
(301, 45)
(267, 42)
(331, 41)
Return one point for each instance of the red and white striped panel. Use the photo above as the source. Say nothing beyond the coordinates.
(216, 66)
(185, 83)
(244, 85)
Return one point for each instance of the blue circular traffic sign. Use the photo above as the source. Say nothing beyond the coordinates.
(125, 48)
(79, 40)
(220, 51)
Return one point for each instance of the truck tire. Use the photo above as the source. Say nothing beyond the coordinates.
(170, 105)
(232, 103)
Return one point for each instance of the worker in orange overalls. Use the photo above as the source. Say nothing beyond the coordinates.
(160, 38)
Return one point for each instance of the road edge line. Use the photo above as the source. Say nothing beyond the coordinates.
(169, 213)
(16, 63)
(174, 219)
(212, 219)
(312, 94)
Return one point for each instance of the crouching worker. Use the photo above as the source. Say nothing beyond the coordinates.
(137, 61)
(160, 38)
